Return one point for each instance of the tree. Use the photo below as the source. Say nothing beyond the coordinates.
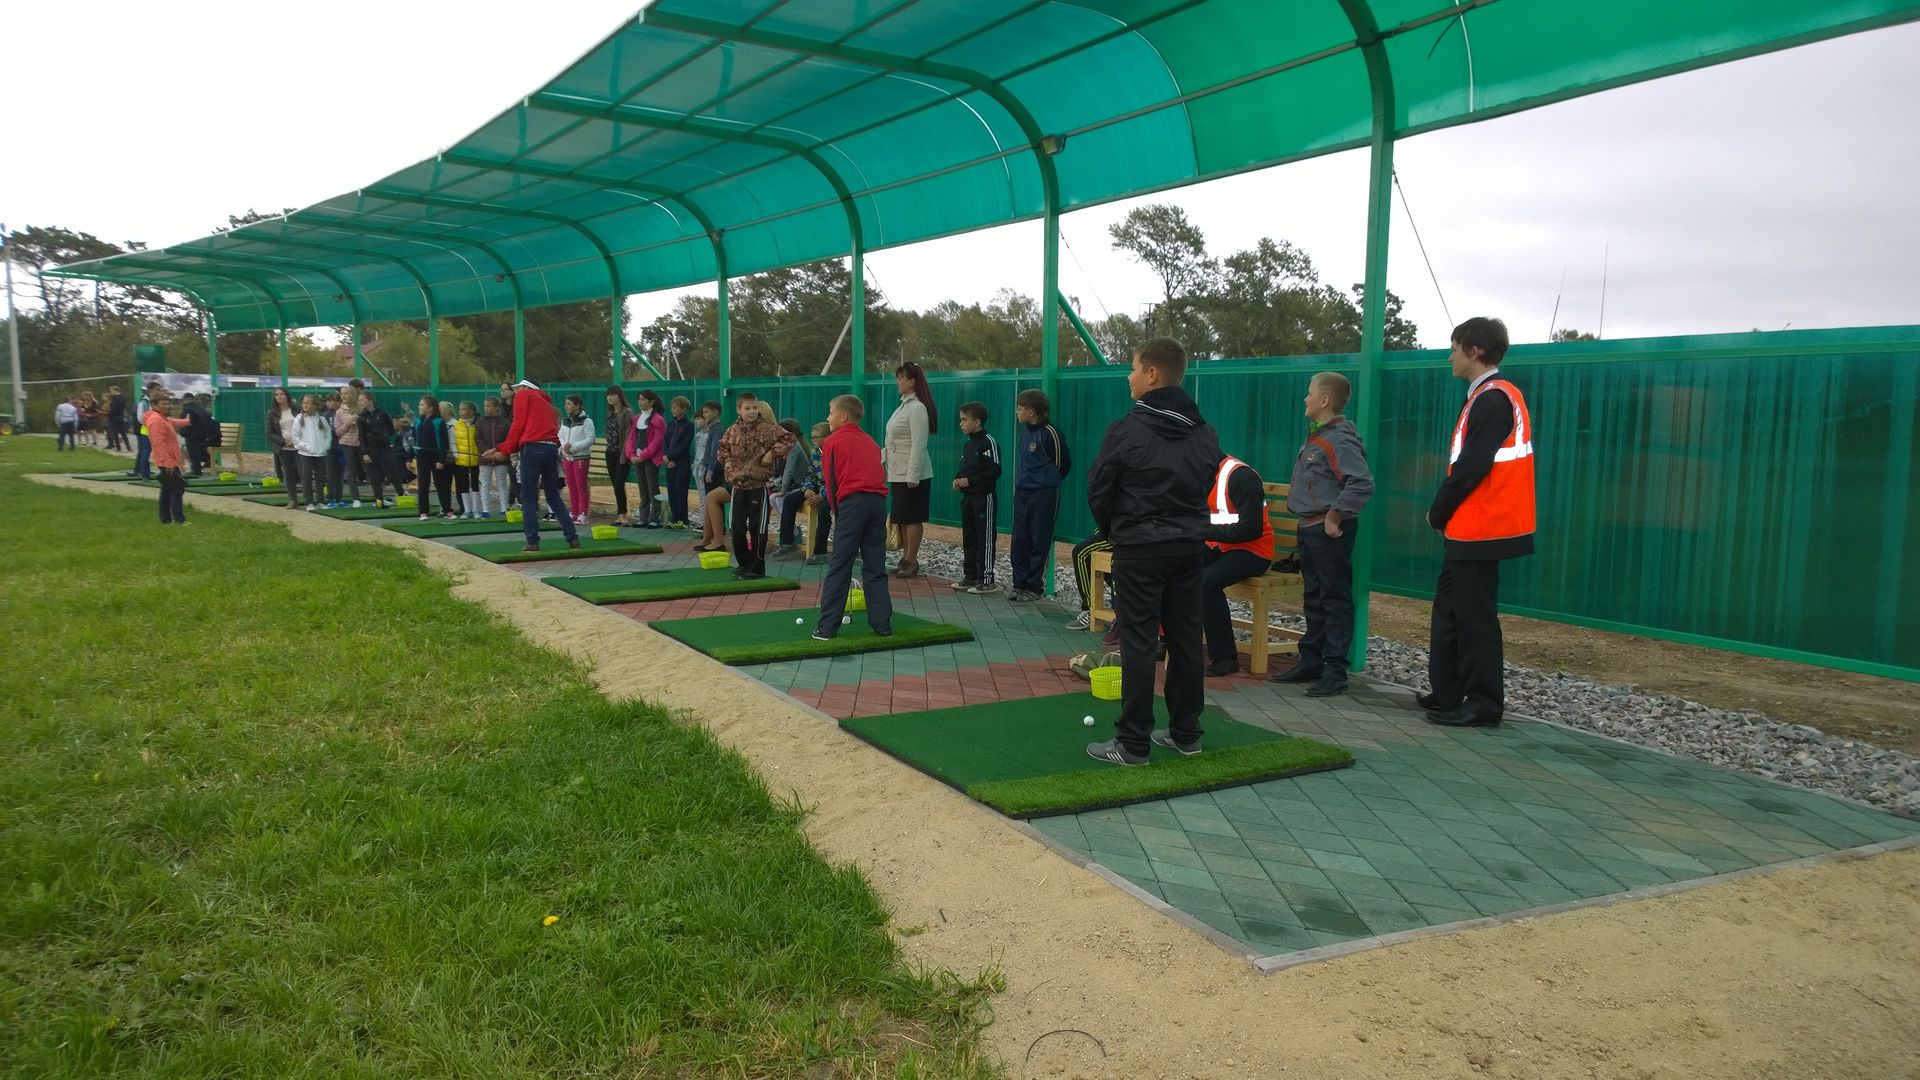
(1568, 333)
(403, 354)
(1160, 236)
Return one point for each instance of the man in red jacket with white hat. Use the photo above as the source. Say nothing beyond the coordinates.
(535, 436)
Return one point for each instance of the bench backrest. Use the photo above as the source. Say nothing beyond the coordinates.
(230, 435)
(1285, 525)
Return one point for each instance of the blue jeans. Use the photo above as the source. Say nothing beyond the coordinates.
(540, 470)
(67, 440)
(859, 528)
(143, 458)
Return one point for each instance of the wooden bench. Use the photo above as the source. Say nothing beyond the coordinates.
(229, 444)
(1261, 593)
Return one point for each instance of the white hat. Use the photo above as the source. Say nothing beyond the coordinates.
(528, 383)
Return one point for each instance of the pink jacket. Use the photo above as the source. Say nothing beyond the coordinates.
(652, 451)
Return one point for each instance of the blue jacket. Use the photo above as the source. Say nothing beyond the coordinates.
(1041, 460)
(677, 443)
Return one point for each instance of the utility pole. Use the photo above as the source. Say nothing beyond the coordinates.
(13, 339)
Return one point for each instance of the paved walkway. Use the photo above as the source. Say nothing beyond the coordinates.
(1431, 826)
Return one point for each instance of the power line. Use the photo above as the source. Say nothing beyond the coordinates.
(1423, 246)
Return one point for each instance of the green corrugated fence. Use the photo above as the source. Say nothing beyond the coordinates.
(1748, 491)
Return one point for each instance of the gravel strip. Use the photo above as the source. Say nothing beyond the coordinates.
(1740, 740)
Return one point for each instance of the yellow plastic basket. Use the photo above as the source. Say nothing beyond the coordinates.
(513, 516)
(229, 477)
(856, 600)
(406, 502)
(270, 482)
(1106, 683)
(606, 532)
(714, 560)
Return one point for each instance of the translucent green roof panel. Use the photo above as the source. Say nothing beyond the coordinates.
(774, 132)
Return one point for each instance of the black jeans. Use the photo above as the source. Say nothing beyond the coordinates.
(196, 455)
(1224, 568)
(647, 482)
(383, 470)
(977, 545)
(173, 489)
(678, 477)
(540, 471)
(1326, 578)
(617, 466)
(1151, 597)
(1464, 659)
(750, 527)
(859, 528)
(429, 463)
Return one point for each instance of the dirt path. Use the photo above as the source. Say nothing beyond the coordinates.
(1809, 973)
(1884, 712)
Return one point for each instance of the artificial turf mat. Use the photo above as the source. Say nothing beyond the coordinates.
(1028, 758)
(120, 476)
(215, 487)
(508, 551)
(766, 636)
(641, 586)
(341, 513)
(435, 527)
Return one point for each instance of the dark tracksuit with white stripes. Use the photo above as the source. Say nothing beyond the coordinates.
(980, 468)
(1041, 462)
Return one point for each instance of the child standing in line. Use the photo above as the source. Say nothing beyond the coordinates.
(856, 491)
(750, 451)
(313, 442)
(377, 436)
(466, 460)
(646, 443)
(619, 460)
(163, 435)
(430, 455)
(676, 449)
(706, 459)
(346, 434)
(1040, 464)
(791, 486)
(489, 432)
(979, 474)
(576, 450)
(822, 527)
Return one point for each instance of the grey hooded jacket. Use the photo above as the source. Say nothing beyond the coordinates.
(1330, 474)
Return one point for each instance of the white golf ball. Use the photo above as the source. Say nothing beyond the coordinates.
(1087, 720)
(797, 622)
(846, 620)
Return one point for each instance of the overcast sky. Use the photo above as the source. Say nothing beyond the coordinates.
(1772, 191)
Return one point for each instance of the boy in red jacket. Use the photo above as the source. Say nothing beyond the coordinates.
(535, 436)
(855, 486)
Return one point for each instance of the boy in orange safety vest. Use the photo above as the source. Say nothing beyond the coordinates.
(1330, 486)
(1485, 510)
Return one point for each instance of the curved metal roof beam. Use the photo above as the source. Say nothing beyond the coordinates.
(641, 116)
(448, 202)
(253, 283)
(269, 262)
(424, 238)
(426, 290)
(655, 192)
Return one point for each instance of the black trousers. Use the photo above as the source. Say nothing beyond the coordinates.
(429, 462)
(1465, 656)
(173, 489)
(678, 477)
(196, 456)
(617, 466)
(859, 528)
(1033, 513)
(1326, 578)
(750, 527)
(383, 469)
(1083, 566)
(1221, 569)
(1151, 597)
(977, 542)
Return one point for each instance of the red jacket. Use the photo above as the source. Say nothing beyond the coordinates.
(534, 421)
(850, 464)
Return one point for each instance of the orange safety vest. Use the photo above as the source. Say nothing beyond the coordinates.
(1501, 508)
(1225, 513)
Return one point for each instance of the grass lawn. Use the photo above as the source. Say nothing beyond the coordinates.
(766, 636)
(1028, 758)
(223, 855)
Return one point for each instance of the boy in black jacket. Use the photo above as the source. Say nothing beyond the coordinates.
(1148, 493)
(979, 473)
(377, 436)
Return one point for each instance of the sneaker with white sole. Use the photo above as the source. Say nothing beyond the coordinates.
(1163, 737)
(1112, 751)
(985, 588)
(356, 504)
(963, 584)
(1080, 621)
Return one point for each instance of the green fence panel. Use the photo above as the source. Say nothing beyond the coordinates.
(1747, 491)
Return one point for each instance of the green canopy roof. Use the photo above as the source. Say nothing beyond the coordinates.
(722, 137)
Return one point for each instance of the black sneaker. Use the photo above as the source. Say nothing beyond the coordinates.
(535, 546)
(818, 636)
(1163, 737)
(1331, 684)
(1297, 674)
(573, 542)
(1434, 702)
(739, 575)
(888, 632)
(1112, 751)
(1223, 667)
(1461, 716)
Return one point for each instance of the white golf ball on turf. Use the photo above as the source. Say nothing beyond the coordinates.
(1087, 720)
(796, 622)
(846, 620)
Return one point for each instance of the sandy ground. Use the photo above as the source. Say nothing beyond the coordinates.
(1801, 973)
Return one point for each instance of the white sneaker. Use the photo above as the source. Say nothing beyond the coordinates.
(311, 507)
(356, 504)
(1080, 621)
